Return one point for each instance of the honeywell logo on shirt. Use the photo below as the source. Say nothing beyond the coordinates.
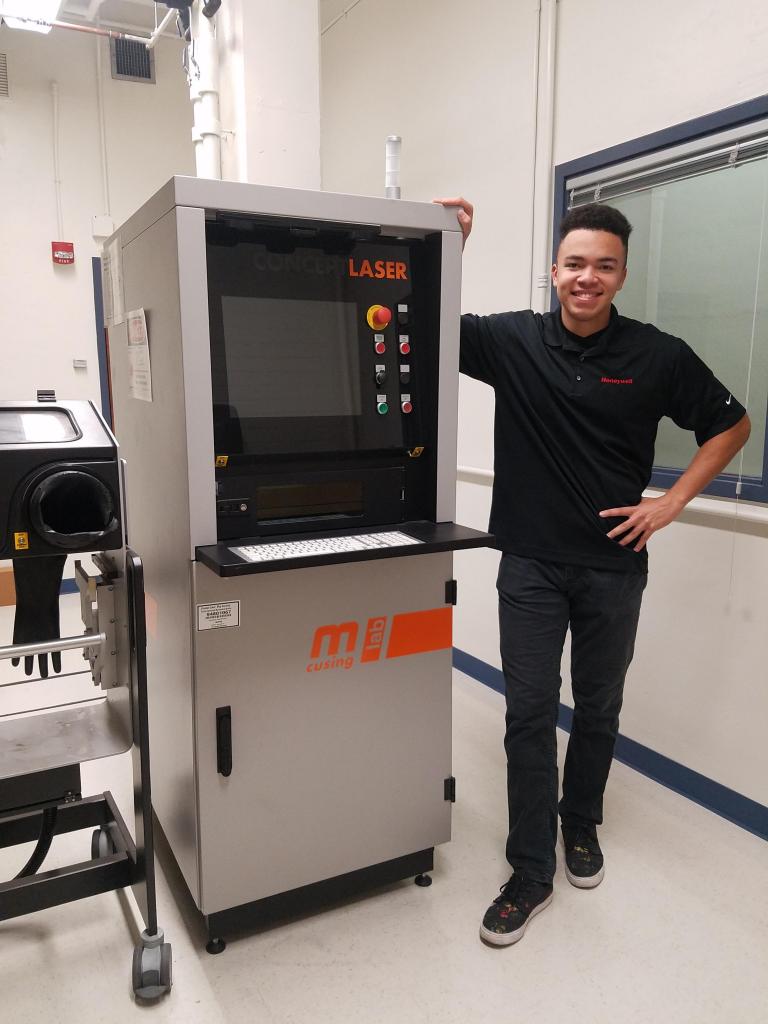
(616, 380)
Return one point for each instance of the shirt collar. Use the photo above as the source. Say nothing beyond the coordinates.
(558, 337)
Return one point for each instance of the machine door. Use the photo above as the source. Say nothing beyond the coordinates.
(338, 683)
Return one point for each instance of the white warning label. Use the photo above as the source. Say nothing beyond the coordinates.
(218, 615)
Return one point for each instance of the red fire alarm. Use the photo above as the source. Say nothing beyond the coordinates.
(63, 252)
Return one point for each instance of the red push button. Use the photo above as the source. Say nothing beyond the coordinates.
(380, 347)
(406, 407)
(405, 346)
(378, 317)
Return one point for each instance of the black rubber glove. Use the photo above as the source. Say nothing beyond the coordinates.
(38, 581)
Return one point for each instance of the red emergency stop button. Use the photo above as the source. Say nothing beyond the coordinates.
(378, 317)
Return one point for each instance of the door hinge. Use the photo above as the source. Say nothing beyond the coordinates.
(451, 592)
(449, 789)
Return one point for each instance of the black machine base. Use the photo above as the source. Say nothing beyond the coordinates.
(261, 913)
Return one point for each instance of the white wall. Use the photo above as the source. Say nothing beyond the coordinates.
(460, 91)
(46, 311)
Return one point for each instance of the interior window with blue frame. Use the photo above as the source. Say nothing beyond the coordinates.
(698, 264)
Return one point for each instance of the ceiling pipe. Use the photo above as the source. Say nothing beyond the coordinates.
(148, 41)
(170, 16)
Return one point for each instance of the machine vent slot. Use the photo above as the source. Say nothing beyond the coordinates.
(132, 61)
(4, 90)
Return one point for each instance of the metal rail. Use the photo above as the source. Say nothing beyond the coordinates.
(65, 643)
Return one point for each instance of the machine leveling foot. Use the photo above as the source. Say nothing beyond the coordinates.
(215, 946)
(423, 880)
(152, 966)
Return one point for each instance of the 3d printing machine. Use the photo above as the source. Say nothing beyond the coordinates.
(284, 375)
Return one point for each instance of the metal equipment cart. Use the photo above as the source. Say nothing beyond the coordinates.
(42, 748)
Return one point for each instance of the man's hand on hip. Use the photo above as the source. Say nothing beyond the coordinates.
(643, 520)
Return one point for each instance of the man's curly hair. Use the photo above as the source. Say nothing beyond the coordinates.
(596, 217)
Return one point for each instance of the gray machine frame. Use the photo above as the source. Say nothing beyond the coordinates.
(159, 266)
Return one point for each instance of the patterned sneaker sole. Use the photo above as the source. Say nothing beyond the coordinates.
(495, 939)
(585, 881)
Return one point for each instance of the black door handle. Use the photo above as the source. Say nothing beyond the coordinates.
(224, 741)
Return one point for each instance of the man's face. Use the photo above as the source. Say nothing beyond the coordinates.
(590, 269)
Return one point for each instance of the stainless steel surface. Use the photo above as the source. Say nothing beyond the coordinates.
(333, 770)
(97, 610)
(38, 742)
(65, 643)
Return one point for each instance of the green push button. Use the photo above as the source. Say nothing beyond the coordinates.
(382, 408)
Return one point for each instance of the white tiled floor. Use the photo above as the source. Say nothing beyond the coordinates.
(678, 931)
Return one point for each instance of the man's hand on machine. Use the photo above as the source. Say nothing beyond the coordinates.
(465, 211)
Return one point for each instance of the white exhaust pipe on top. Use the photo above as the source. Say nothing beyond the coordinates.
(392, 167)
(203, 71)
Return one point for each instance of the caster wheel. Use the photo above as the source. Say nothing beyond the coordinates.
(423, 880)
(152, 971)
(215, 946)
(101, 844)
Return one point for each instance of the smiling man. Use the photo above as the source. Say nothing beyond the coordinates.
(579, 395)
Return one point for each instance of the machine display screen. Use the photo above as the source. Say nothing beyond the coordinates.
(291, 358)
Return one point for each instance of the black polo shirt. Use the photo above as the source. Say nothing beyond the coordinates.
(576, 423)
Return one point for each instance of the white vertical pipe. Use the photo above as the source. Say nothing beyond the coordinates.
(541, 246)
(102, 127)
(56, 162)
(392, 167)
(204, 91)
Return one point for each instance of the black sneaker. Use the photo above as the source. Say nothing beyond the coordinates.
(584, 865)
(507, 918)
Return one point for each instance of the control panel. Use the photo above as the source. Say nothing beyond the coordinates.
(390, 341)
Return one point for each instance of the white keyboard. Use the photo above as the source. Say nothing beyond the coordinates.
(325, 546)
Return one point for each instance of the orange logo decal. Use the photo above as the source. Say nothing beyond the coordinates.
(390, 270)
(333, 635)
(374, 639)
(335, 646)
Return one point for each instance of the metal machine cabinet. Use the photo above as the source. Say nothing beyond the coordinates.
(291, 469)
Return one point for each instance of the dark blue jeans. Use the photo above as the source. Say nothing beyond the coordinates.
(537, 603)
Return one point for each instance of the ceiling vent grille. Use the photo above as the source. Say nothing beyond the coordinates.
(132, 61)
(4, 90)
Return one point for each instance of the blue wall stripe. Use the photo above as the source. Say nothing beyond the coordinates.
(746, 813)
